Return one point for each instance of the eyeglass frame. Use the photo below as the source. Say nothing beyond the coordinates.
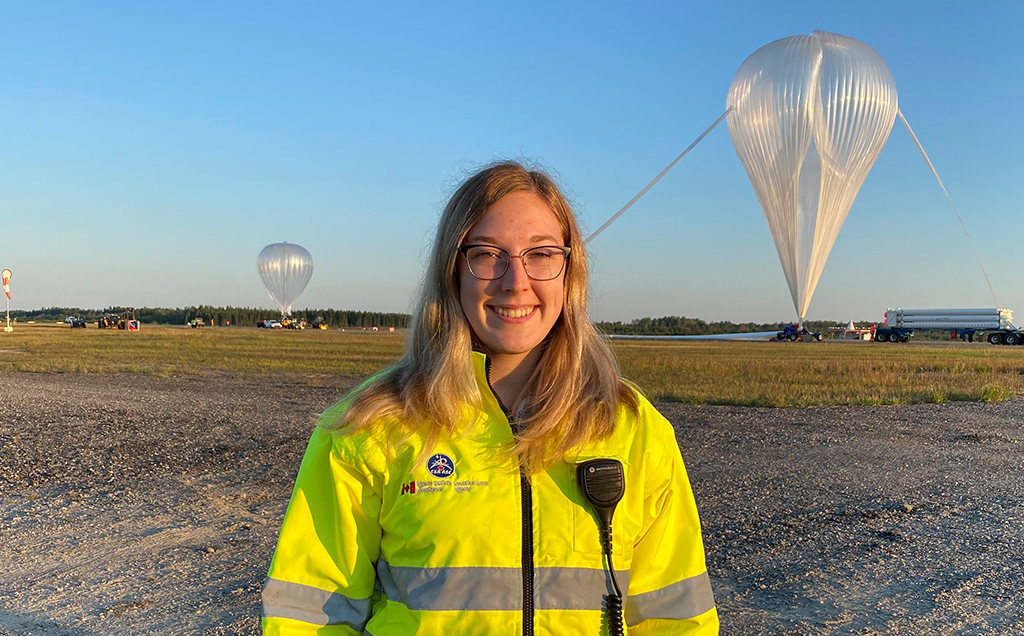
(565, 249)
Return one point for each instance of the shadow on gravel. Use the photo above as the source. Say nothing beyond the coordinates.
(34, 623)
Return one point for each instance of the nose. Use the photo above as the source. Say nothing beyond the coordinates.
(515, 277)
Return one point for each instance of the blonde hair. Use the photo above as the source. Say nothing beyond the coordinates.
(575, 389)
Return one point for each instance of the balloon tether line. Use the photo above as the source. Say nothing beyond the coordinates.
(658, 178)
(953, 205)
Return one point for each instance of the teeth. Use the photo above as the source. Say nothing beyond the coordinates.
(513, 313)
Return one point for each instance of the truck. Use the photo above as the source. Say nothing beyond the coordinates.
(992, 324)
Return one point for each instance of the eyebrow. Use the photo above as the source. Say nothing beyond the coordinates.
(536, 238)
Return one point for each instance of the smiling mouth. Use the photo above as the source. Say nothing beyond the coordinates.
(513, 313)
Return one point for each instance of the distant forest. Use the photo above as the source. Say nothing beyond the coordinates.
(221, 316)
(682, 326)
(248, 317)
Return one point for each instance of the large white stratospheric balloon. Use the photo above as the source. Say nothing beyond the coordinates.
(810, 113)
(285, 269)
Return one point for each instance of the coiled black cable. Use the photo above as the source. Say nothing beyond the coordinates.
(616, 626)
(616, 623)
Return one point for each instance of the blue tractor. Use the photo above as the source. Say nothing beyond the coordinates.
(796, 332)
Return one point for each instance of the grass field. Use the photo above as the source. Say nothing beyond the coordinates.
(177, 350)
(695, 372)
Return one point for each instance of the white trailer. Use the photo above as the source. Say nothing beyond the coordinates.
(993, 324)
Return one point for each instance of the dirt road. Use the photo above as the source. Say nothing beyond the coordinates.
(143, 505)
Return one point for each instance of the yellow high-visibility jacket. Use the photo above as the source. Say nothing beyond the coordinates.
(385, 546)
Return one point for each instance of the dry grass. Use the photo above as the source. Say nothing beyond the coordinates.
(208, 351)
(821, 374)
(696, 372)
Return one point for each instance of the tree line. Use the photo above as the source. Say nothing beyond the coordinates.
(683, 326)
(350, 319)
(221, 316)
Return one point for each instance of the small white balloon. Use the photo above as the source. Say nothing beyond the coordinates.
(285, 269)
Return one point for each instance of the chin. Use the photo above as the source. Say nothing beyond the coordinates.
(511, 350)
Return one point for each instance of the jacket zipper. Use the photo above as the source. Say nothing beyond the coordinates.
(527, 516)
(527, 553)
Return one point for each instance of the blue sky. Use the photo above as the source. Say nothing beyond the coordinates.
(148, 152)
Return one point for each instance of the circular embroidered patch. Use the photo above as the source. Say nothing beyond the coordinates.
(440, 465)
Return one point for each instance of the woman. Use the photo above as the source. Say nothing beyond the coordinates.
(441, 496)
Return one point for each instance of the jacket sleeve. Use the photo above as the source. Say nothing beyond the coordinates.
(321, 579)
(669, 588)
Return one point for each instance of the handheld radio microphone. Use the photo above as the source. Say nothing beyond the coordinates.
(603, 484)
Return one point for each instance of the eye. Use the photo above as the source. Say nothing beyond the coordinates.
(541, 254)
(484, 254)
(481, 255)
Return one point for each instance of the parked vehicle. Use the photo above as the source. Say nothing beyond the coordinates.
(994, 325)
(127, 319)
(76, 322)
(796, 332)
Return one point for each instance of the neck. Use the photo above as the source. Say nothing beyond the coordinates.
(510, 373)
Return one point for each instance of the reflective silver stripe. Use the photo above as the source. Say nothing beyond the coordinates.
(686, 599)
(458, 589)
(575, 588)
(282, 599)
(483, 588)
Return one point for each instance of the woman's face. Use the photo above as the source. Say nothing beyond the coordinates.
(513, 314)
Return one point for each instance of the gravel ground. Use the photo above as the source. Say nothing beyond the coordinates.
(143, 505)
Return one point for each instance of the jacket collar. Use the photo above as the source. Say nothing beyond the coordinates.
(612, 447)
(489, 399)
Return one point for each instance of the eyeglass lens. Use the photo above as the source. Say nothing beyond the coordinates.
(489, 263)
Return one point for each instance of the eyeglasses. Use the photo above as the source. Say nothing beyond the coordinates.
(488, 262)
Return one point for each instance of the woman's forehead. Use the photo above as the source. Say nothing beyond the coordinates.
(519, 216)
